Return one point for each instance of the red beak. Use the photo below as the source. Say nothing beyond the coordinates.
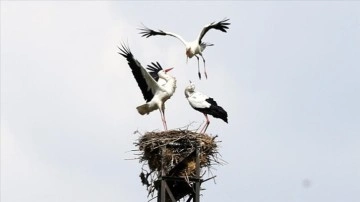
(166, 70)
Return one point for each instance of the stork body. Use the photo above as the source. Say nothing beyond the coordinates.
(195, 47)
(205, 105)
(154, 94)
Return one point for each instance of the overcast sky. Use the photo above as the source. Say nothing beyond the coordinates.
(287, 73)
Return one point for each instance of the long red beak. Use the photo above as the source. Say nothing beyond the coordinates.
(166, 70)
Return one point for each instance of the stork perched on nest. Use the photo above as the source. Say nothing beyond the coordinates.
(195, 47)
(154, 94)
(205, 105)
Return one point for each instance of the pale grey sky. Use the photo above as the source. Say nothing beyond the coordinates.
(287, 72)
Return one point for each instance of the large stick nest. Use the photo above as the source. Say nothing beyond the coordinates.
(174, 151)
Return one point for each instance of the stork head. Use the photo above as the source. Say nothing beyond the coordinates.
(192, 86)
(188, 52)
(164, 74)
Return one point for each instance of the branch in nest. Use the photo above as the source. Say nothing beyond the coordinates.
(173, 152)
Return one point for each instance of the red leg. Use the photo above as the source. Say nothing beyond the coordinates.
(207, 123)
(163, 119)
(165, 124)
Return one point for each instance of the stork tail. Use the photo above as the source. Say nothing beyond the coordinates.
(144, 109)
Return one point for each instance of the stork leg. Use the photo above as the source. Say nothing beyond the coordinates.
(162, 113)
(207, 123)
(165, 124)
(204, 65)
(197, 57)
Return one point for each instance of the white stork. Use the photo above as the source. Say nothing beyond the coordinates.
(205, 105)
(154, 94)
(195, 47)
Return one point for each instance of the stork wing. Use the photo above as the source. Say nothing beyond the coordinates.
(147, 32)
(145, 81)
(198, 100)
(211, 101)
(222, 26)
(154, 69)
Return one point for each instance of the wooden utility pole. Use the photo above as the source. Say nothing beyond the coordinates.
(165, 193)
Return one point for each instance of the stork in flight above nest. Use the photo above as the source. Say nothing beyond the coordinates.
(154, 94)
(195, 47)
(205, 105)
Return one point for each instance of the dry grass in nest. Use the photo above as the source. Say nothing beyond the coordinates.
(176, 149)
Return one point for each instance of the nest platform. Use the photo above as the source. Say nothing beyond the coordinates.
(172, 156)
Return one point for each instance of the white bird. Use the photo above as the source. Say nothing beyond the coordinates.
(155, 95)
(205, 105)
(195, 47)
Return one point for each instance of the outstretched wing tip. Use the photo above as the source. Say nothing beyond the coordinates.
(124, 50)
(225, 19)
(147, 32)
(154, 67)
(144, 31)
(222, 25)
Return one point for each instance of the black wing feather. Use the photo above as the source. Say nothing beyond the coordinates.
(215, 110)
(221, 25)
(154, 70)
(147, 32)
(136, 70)
(211, 101)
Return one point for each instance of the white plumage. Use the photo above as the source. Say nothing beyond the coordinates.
(193, 48)
(155, 94)
(197, 99)
(205, 105)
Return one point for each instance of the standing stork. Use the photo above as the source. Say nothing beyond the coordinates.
(205, 105)
(154, 94)
(195, 47)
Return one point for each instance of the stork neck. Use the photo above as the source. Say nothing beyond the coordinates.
(171, 82)
(188, 93)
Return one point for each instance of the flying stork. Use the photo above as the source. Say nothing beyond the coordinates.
(195, 47)
(154, 94)
(205, 105)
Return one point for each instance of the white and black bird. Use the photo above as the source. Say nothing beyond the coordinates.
(193, 48)
(154, 94)
(205, 105)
